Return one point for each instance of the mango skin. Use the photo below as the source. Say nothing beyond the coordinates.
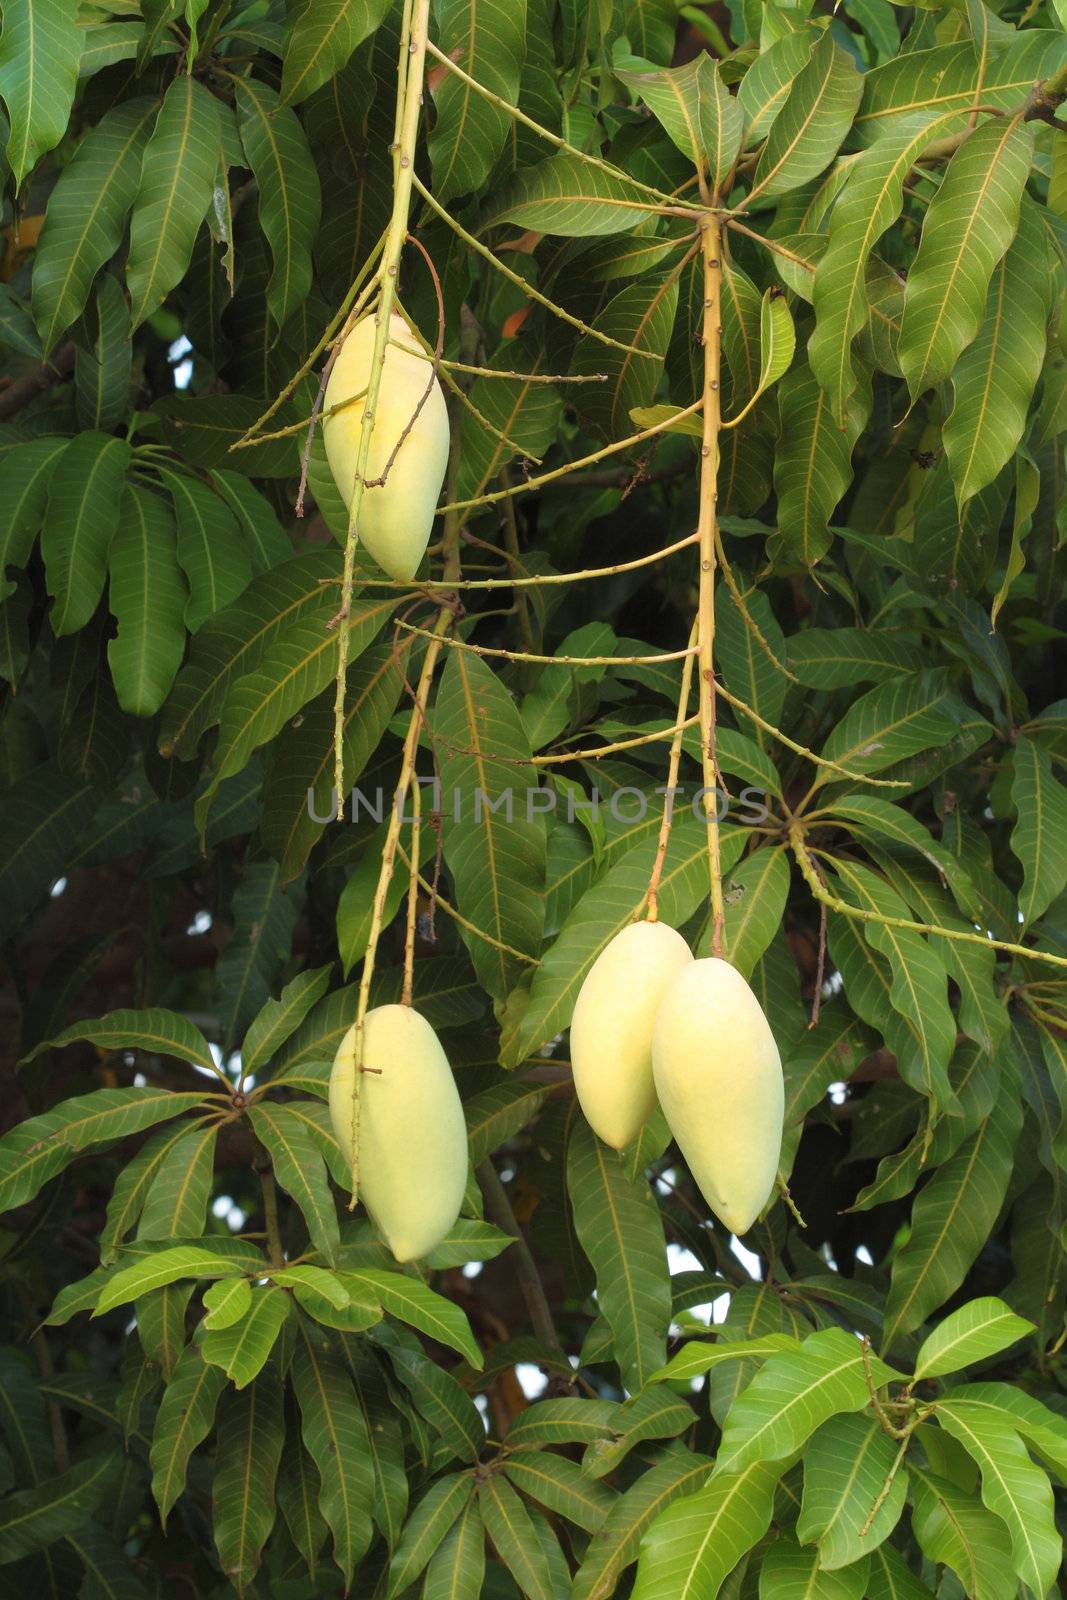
(395, 519)
(611, 1030)
(718, 1075)
(412, 1133)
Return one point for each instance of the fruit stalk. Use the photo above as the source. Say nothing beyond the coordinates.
(681, 722)
(711, 244)
(410, 75)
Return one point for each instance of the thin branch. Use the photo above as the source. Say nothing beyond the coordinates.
(498, 1209)
(550, 661)
(36, 383)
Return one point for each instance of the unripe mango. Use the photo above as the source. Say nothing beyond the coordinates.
(611, 1030)
(412, 1133)
(718, 1076)
(395, 518)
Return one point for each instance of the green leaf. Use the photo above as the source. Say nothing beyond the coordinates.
(181, 1261)
(277, 151)
(251, 1433)
(226, 1302)
(156, 1031)
(640, 316)
(268, 543)
(496, 856)
(564, 196)
(1039, 838)
(320, 36)
(805, 135)
(696, 1358)
(892, 721)
(443, 1402)
(300, 1169)
(952, 1218)
(1043, 1429)
(869, 204)
(794, 1393)
(813, 463)
(690, 1547)
(132, 1186)
(184, 1419)
(429, 1523)
(955, 1529)
(146, 596)
(298, 1487)
(41, 814)
(33, 1518)
(487, 39)
(278, 1019)
(508, 1525)
(653, 1414)
(527, 412)
(177, 182)
(232, 643)
(697, 112)
(603, 911)
(754, 894)
(465, 1241)
(619, 1226)
(86, 214)
(177, 1198)
(970, 223)
(790, 1573)
(84, 495)
(564, 1421)
(335, 1434)
(35, 1150)
(764, 88)
(1013, 1488)
(411, 1301)
(203, 427)
(25, 474)
(616, 1545)
(242, 1348)
(103, 366)
(264, 919)
(457, 1567)
(853, 1493)
(210, 548)
(561, 1487)
(994, 380)
(498, 1113)
(978, 1330)
(39, 55)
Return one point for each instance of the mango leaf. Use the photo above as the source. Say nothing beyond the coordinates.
(39, 56)
(457, 1567)
(978, 1330)
(890, 1578)
(210, 548)
(251, 1432)
(277, 151)
(787, 1571)
(25, 474)
(818, 111)
(696, 110)
(1042, 1428)
(86, 214)
(616, 1544)
(694, 1543)
(242, 1348)
(278, 1019)
(438, 1397)
(35, 1150)
(994, 380)
(428, 1524)
(84, 496)
(765, 87)
(968, 227)
(813, 463)
(297, 1490)
(847, 1509)
(335, 1435)
(203, 427)
(156, 1031)
(146, 595)
(561, 1487)
(891, 722)
(653, 1414)
(869, 204)
(264, 918)
(185, 1416)
(696, 1358)
(527, 412)
(495, 854)
(226, 1302)
(794, 1393)
(952, 1217)
(177, 1196)
(159, 1270)
(640, 316)
(487, 39)
(177, 182)
(619, 1226)
(564, 196)
(954, 1528)
(300, 1169)
(413, 1302)
(508, 1525)
(564, 1421)
(890, 92)
(132, 1187)
(1039, 838)
(33, 1518)
(320, 36)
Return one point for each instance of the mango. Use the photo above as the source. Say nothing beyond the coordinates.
(611, 1029)
(719, 1079)
(394, 519)
(412, 1133)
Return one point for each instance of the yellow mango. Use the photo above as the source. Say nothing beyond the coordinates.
(395, 518)
(611, 1030)
(718, 1076)
(412, 1133)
